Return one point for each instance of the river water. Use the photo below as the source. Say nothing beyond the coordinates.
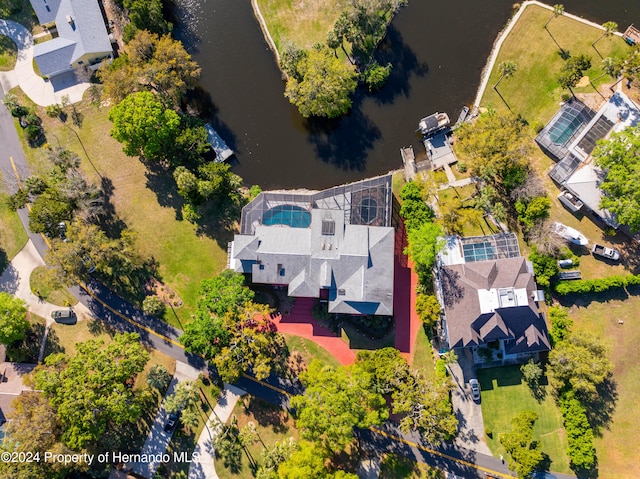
(438, 49)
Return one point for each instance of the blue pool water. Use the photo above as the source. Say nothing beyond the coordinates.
(290, 215)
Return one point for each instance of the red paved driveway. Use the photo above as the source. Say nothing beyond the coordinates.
(302, 323)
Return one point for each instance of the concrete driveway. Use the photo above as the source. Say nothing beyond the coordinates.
(468, 412)
(41, 91)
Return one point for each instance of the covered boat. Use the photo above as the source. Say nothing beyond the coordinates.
(433, 123)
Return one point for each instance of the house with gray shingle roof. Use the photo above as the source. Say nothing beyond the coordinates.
(335, 244)
(82, 38)
(490, 300)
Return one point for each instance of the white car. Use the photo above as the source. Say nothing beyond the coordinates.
(475, 389)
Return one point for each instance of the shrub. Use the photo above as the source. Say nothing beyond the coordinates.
(488, 432)
(462, 166)
(544, 267)
(441, 369)
(583, 286)
(581, 451)
(428, 309)
(560, 324)
(153, 305)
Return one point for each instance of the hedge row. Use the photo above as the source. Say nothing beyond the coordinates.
(579, 433)
(596, 285)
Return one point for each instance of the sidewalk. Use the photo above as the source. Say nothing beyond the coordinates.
(204, 467)
(39, 90)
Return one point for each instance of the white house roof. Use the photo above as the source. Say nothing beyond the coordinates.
(79, 23)
(585, 184)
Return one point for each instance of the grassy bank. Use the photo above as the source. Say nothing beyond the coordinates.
(146, 202)
(533, 91)
(504, 395)
(617, 446)
(302, 22)
(8, 54)
(13, 237)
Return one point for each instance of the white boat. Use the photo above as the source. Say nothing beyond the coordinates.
(223, 152)
(432, 123)
(570, 234)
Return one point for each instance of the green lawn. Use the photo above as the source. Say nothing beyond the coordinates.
(301, 22)
(146, 202)
(13, 237)
(272, 424)
(618, 447)
(310, 350)
(533, 91)
(8, 54)
(423, 355)
(504, 395)
(45, 285)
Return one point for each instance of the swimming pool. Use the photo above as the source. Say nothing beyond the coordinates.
(290, 215)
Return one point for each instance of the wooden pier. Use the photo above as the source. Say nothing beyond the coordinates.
(409, 161)
(223, 152)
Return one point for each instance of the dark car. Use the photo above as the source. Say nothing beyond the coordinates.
(171, 422)
(64, 316)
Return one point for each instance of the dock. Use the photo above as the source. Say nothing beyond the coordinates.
(439, 150)
(409, 162)
(223, 152)
(632, 35)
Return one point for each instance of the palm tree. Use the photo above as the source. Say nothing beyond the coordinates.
(611, 67)
(558, 10)
(506, 70)
(609, 29)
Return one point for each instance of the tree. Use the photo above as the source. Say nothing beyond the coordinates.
(545, 267)
(560, 324)
(13, 319)
(325, 86)
(619, 157)
(533, 211)
(531, 373)
(579, 363)
(90, 391)
(573, 71)
(424, 244)
(185, 396)
(526, 455)
(145, 15)
(158, 377)
(144, 126)
(275, 455)
(307, 461)
(609, 29)
(47, 211)
(506, 70)
(333, 403)
(414, 209)
(33, 428)
(497, 147)
(151, 63)
(153, 305)
(375, 76)
(424, 406)
(428, 309)
(226, 292)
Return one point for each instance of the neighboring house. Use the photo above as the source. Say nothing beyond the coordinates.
(81, 37)
(490, 299)
(336, 245)
(570, 138)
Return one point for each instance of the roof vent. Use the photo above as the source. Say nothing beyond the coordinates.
(341, 292)
(328, 227)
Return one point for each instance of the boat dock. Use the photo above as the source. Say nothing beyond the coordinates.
(223, 152)
(439, 150)
(409, 162)
(632, 35)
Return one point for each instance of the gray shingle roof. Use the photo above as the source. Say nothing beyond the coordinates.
(86, 31)
(470, 322)
(353, 261)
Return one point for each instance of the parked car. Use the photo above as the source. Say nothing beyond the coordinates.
(605, 252)
(64, 316)
(475, 389)
(171, 422)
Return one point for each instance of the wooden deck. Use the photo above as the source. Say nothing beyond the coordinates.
(632, 35)
(409, 162)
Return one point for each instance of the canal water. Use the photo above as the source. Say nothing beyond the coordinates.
(438, 49)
